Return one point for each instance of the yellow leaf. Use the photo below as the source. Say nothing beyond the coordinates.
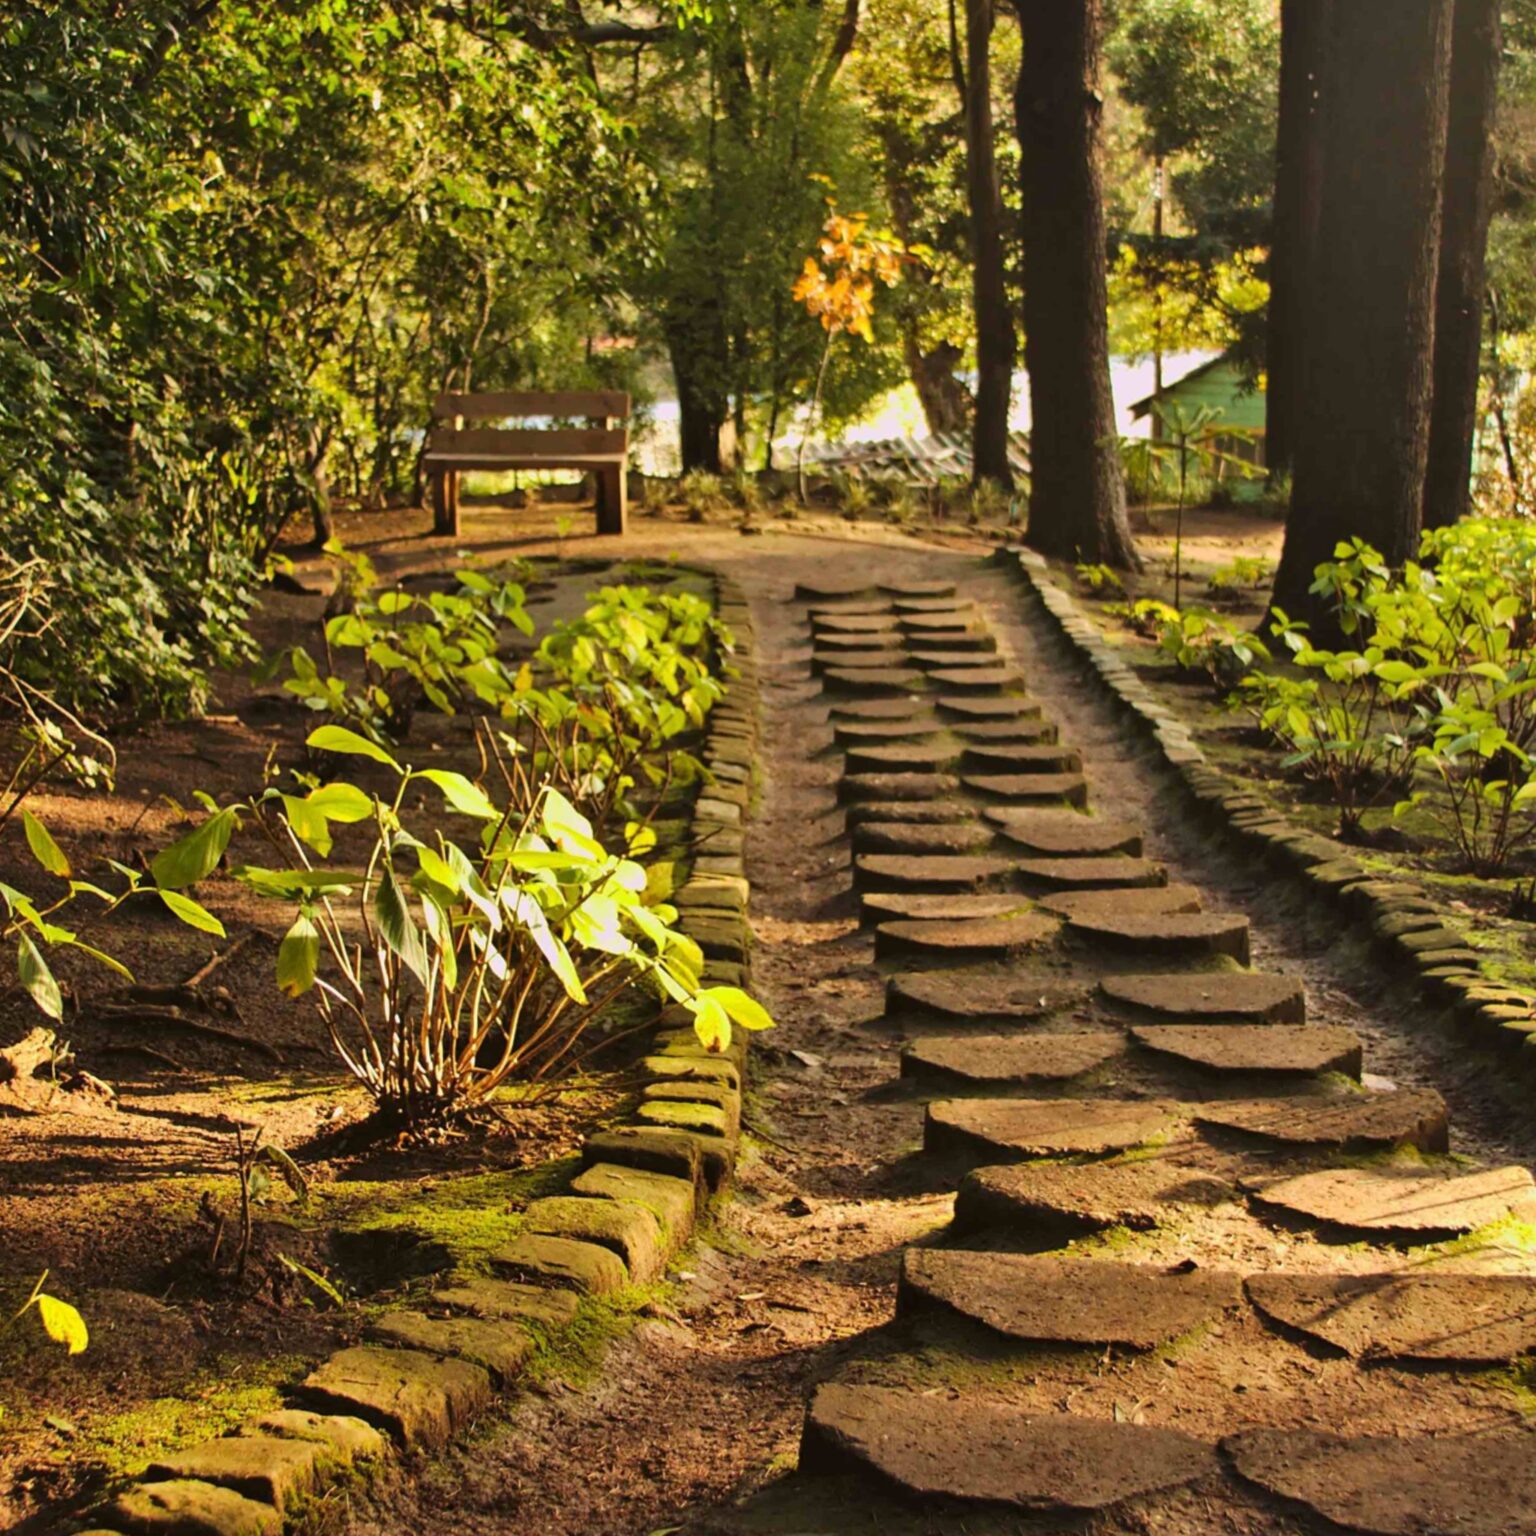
(62, 1323)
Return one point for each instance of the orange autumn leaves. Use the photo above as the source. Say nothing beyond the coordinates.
(839, 288)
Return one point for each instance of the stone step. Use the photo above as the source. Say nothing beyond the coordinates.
(1134, 902)
(976, 998)
(976, 641)
(998, 1061)
(1016, 1130)
(877, 680)
(1166, 933)
(895, 786)
(884, 658)
(1450, 1319)
(1021, 757)
(1065, 1301)
(837, 591)
(1261, 1048)
(849, 648)
(942, 620)
(904, 709)
(933, 659)
(1059, 834)
(964, 1447)
(1239, 996)
(1407, 1204)
(849, 606)
(858, 733)
(948, 604)
(1481, 1484)
(919, 591)
(977, 938)
(922, 757)
(948, 811)
(1012, 707)
(855, 623)
(920, 837)
(1409, 1117)
(981, 680)
(1051, 1202)
(929, 872)
(882, 906)
(1021, 788)
(1090, 874)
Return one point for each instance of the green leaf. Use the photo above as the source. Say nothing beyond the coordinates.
(44, 849)
(195, 856)
(298, 956)
(461, 793)
(342, 802)
(288, 884)
(743, 1009)
(320, 1283)
(396, 927)
(309, 824)
(37, 979)
(337, 738)
(192, 913)
(62, 1323)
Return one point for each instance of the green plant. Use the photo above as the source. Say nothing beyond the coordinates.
(1245, 573)
(989, 502)
(747, 493)
(854, 495)
(1098, 579)
(454, 970)
(1147, 616)
(253, 1157)
(700, 493)
(1201, 641)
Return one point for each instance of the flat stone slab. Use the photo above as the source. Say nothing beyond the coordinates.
(1065, 834)
(1021, 757)
(945, 604)
(267, 1468)
(920, 837)
(1134, 902)
(855, 733)
(1256, 996)
(946, 809)
(1414, 1485)
(849, 647)
(996, 1060)
(1256, 1047)
(1167, 933)
(1014, 707)
(1405, 1203)
(835, 591)
(1040, 1198)
(1005, 733)
(1010, 1129)
(976, 937)
(929, 872)
(975, 997)
(880, 709)
(910, 591)
(884, 906)
(420, 1399)
(903, 757)
(816, 607)
(871, 679)
(501, 1348)
(855, 623)
(1114, 873)
(928, 653)
(896, 786)
(344, 1439)
(188, 1507)
(1412, 1315)
(565, 1261)
(507, 1301)
(1065, 1301)
(970, 1449)
(977, 679)
(1414, 1117)
(863, 660)
(1070, 788)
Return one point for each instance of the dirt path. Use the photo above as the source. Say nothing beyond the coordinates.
(1083, 1338)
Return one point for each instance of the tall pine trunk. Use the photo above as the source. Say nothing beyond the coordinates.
(697, 347)
(1298, 182)
(995, 345)
(1476, 41)
(1077, 489)
(1362, 435)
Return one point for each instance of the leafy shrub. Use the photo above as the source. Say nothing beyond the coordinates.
(990, 503)
(1148, 616)
(1246, 573)
(1098, 579)
(1203, 642)
(700, 493)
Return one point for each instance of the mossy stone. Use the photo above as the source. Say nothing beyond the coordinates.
(661, 1149)
(346, 1439)
(628, 1229)
(673, 1202)
(186, 1507)
(507, 1301)
(419, 1398)
(501, 1348)
(702, 1119)
(262, 1467)
(562, 1261)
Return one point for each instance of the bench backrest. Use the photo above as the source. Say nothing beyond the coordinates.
(510, 442)
(498, 405)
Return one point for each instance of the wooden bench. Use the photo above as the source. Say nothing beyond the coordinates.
(599, 448)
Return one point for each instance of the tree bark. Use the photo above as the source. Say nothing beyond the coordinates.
(1298, 181)
(1476, 42)
(1363, 426)
(1077, 491)
(995, 345)
(945, 400)
(696, 345)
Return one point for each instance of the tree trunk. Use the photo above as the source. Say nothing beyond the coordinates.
(945, 400)
(1476, 41)
(1077, 492)
(1298, 181)
(696, 345)
(1363, 426)
(995, 346)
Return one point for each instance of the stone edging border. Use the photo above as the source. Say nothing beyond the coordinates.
(1406, 924)
(423, 1378)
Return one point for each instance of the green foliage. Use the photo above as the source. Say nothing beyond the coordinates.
(1246, 573)
(1098, 579)
(1148, 616)
(700, 493)
(1198, 640)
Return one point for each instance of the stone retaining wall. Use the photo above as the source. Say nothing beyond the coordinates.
(425, 1373)
(1407, 925)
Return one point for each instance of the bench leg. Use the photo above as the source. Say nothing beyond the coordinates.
(453, 503)
(440, 507)
(613, 501)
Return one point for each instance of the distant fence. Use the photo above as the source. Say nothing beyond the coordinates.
(920, 460)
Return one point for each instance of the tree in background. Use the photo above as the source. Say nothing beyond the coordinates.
(1077, 490)
(1368, 317)
(1462, 285)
